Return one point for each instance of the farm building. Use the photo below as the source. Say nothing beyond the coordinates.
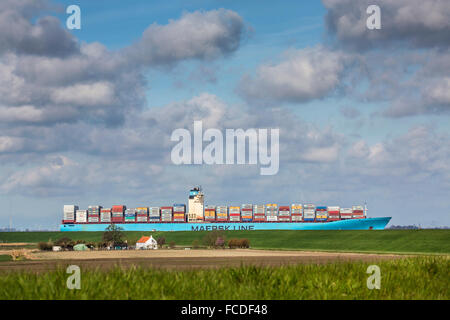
(146, 243)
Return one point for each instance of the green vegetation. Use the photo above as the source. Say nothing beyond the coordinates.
(239, 243)
(5, 257)
(409, 278)
(45, 246)
(399, 241)
(113, 235)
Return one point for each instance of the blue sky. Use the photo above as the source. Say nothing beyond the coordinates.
(371, 107)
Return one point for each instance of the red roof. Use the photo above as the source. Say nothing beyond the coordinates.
(143, 240)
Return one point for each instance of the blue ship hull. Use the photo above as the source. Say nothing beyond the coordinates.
(352, 224)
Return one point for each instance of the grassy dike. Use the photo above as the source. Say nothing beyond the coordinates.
(397, 241)
(409, 278)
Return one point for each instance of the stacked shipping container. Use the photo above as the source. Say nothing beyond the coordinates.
(81, 216)
(284, 214)
(94, 214)
(179, 212)
(141, 214)
(69, 213)
(357, 212)
(166, 214)
(271, 212)
(345, 213)
(117, 213)
(321, 213)
(154, 214)
(296, 212)
(333, 213)
(234, 214)
(221, 213)
(105, 215)
(210, 213)
(247, 213)
(259, 213)
(130, 215)
(309, 212)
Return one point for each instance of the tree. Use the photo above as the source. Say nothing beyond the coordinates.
(46, 246)
(239, 243)
(220, 242)
(160, 241)
(113, 235)
(195, 244)
(210, 238)
(65, 243)
(233, 243)
(245, 243)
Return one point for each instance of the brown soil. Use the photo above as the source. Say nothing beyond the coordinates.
(14, 244)
(182, 259)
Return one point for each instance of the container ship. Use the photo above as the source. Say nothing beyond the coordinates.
(198, 217)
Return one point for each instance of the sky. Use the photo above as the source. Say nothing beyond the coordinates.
(86, 116)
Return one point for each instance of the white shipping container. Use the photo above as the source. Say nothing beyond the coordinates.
(271, 218)
(105, 215)
(81, 216)
(70, 207)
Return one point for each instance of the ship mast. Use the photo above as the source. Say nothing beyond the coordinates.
(365, 209)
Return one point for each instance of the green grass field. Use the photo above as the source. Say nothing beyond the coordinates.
(397, 241)
(409, 278)
(5, 257)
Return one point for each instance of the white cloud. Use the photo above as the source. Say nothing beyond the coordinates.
(20, 114)
(302, 75)
(411, 22)
(91, 94)
(196, 35)
(440, 92)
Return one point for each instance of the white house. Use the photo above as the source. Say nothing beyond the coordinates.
(146, 243)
